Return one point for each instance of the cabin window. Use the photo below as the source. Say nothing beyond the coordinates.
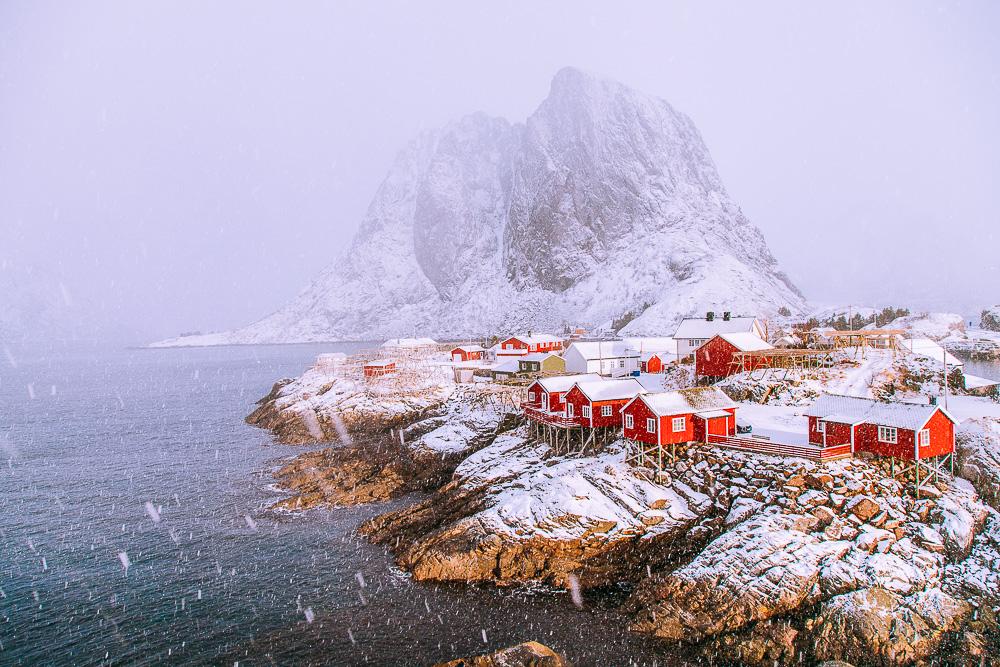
(924, 438)
(531, 396)
(629, 422)
(605, 410)
(679, 424)
(820, 426)
(569, 410)
(650, 425)
(586, 411)
(887, 434)
(621, 364)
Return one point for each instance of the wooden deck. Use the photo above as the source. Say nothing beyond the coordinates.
(771, 448)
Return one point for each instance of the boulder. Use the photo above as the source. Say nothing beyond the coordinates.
(863, 507)
(527, 654)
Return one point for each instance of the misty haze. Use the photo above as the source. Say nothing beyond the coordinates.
(446, 334)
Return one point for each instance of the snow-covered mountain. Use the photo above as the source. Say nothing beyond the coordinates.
(604, 201)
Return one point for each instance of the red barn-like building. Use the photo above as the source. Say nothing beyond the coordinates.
(674, 417)
(598, 403)
(901, 430)
(517, 346)
(372, 369)
(650, 362)
(547, 395)
(714, 359)
(467, 353)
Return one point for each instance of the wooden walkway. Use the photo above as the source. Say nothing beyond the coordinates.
(771, 448)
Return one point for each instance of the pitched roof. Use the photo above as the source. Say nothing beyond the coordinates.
(659, 344)
(539, 356)
(605, 349)
(536, 339)
(684, 401)
(746, 341)
(509, 366)
(380, 362)
(925, 347)
(699, 327)
(562, 383)
(857, 410)
(610, 390)
(469, 348)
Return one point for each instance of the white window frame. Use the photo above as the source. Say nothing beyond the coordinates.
(629, 421)
(650, 425)
(607, 410)
(545, 401)
(678, 424)
(586, 411)
(621, 363)
(531, 396)
(888, 434)
(820, 426)
(924, 437)
(569, 410)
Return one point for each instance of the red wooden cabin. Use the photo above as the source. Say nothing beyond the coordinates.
(714, 359)
(378, 368)
(598, 403)
(673, 417)
(650, 362)
(521, 345)
(546, 399)
(892, 429)
(467, 353)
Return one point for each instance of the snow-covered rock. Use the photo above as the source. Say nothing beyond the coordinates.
(604, 201)
(936, 326)
(990, 319)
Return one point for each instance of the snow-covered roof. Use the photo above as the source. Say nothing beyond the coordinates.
(684, 401)
(563, 383)
(537, 339)
(380, 362)
(746, 341)
(976, 382)
(538, 356)
(646, 356)
(605, 349)
(857, 410)
(509, 366)
(659, 344)
(409, 342)
(699, 327)
(469, 348)
(610, 390)
(925, 347)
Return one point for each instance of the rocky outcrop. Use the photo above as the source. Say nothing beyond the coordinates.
(514, 514)
(527, 654)
(878, 627)
(977, 443)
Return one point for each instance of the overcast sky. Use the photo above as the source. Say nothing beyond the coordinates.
(192, 167)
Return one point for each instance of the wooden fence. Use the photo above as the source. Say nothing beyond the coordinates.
(760, 446)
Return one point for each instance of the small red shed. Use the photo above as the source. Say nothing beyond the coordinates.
(908, 431)
(714, 359)
(467, 353)
(673, 417)
(372, 369)
(650, 362)
(598, 403)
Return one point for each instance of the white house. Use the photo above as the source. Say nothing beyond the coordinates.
(693, 332)
(608, 357)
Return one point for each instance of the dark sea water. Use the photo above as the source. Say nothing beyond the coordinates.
(89, 437)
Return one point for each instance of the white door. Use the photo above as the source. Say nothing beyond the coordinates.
(456, 357)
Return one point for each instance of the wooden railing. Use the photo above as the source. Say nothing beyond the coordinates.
(759, 446)
(552, 418)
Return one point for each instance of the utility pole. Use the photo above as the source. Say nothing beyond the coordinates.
(944, 363)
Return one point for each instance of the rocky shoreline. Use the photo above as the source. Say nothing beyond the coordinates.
(752, 559)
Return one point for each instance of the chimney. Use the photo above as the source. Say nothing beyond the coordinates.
(710, 315)
(932, 400)
(727, 316)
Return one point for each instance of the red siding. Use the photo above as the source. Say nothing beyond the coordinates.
(715, 358)
(535, 388)
(942, 439)
(518, 344)
(596, 420)
(836, 434)
(640, 413)
(942, 436)
(653, 365)
(377, 371)
(716, 425)
(466, 356)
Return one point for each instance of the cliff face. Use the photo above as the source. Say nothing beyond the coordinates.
(604, 200)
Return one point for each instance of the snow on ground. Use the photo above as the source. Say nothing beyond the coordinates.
(570, 497)
(935, 326)
(781, 423)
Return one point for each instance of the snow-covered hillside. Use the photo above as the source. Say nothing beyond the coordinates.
(604, 201)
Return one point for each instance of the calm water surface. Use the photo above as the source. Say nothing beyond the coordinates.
(88, 438)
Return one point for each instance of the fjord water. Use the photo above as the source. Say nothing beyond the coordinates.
(89, 437)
